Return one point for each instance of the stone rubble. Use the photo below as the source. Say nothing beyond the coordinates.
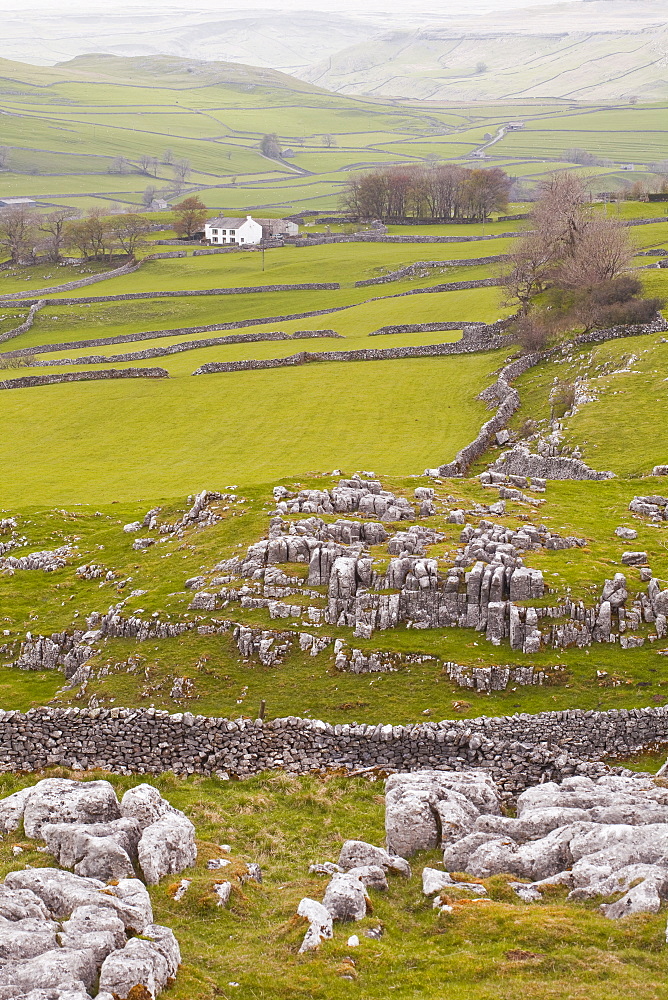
(598, 837)
(75, 935)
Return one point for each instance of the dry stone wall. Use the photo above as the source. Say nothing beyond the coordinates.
(414, 270)
(25, 326)
(27, 381)
(519, 751)
(183, 293)
(189, 345)
(484, 343)
(118, 272)
(234, 338)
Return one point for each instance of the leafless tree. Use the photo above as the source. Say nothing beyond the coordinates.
(129, 232)
(603, 252)
(149, 164)
(17, 232)
(120, 165)
(4, 157)
(53, 228)
(168, 157)
(530, 267)
(181, 169)
(328, 141)
(148, 196)
(93, 235)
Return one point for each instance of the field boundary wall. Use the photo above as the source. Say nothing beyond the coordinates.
(519, 751)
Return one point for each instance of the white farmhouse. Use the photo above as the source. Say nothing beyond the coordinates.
(240, 231)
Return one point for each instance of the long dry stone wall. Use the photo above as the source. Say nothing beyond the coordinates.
(413, 270)
(197, 292)
(234, 338)
(188, 345)
(368, 354)
(29, 297)
(28, 381)
(26, 325)
(519, 751)
(508, 400)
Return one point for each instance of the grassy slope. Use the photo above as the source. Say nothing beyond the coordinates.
(66, 124)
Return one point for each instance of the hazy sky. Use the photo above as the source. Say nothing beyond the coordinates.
(410, 8)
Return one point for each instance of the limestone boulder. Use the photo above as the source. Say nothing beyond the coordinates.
(62, 800)
(18, 904)
(49, 970)
(372, 876)
(642, 898)
(346, 898)
(320, 924)
(145, 805)
(167, 847)
(357, 853)
(419, 803)
(26, 938)
(11, 810)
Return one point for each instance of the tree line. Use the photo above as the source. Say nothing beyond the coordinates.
(571, 269)
(445, 191)
(26, 236)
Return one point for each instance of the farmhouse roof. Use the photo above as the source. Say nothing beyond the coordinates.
(17, 201)
(224, 222)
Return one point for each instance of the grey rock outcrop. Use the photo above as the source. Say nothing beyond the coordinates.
(346, 898)
(167, 847)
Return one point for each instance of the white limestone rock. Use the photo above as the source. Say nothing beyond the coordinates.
(26, 938)
(50, 969)
(167, 847)
(320, 924)
(357, 853)
(642, 898)
(416, 805)
(11, 810)
(372, 876)
(145, 804)
(18, 904)
(346, 898)
(62, 800)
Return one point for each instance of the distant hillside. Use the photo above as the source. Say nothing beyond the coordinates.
(599, 50)
(173, 72)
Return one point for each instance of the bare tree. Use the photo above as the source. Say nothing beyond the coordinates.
(181, 170)
(149, 164)
(4, 157)
(530, 267)
(148, 196)
(603, 252)
(120, 165)
(54, 230)
(17, 232)
(93, 235)
(168, 157)
(129, 232)
(328, 141)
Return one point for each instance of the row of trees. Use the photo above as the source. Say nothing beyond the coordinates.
(571, 269)
(446, 191)
(25, 236)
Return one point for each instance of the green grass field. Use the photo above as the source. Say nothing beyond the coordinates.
(65, 126)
